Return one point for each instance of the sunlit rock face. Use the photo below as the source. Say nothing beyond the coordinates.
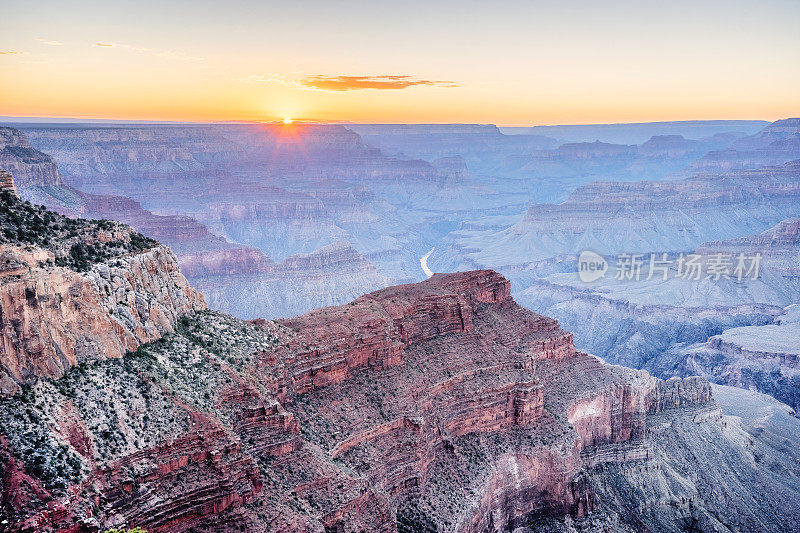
(55, 318)
(75, 291)
(441, 405)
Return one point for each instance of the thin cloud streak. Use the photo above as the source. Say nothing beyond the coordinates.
(320, 82)
(167, 54)
(356, 83)
(10, 53)
(49, 42)
(269, 78)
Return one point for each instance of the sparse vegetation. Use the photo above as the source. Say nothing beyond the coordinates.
(129, 403)
(76, 243)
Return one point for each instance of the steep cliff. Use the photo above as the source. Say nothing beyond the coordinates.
(436, 406)
(77, 290)
(674, 327)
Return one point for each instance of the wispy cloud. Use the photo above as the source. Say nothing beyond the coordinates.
(167, 54)
(49, 42)
(10, 53)
(356, 83)
(269, 78)
(319, 82)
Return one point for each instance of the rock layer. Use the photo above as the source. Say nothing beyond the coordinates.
(7, 182)
(53, 318)
(436, 406)
(29, 166)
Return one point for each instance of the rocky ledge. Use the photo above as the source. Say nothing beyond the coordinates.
(73, 291)
(53, 318)
(438, 406)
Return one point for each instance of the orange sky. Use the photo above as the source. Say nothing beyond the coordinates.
(519, 64)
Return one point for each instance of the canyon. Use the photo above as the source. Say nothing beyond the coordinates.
(441, 405)
(272, 220)
(434, 406)
(737, 209)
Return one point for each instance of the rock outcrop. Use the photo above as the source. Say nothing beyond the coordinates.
(436, 406)
(54, 318)
(7, 182)
(73, 291)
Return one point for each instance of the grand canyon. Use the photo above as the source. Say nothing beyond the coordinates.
(152, 377)
(399, 267)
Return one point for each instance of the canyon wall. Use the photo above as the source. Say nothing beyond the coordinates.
(441, 405)
(29, 166)
(78, 291)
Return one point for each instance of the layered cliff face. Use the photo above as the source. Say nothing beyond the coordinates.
(575, 164)
(331, 275)
(30, 167)
(7, 182)
(73, 291)
(253, 194)
(776, 144)
(640, 217)
(436, 406)
(144, 150)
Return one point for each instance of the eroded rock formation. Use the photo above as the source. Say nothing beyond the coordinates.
(7, 182)
(54, 318)
(436, 406)
(29, 166)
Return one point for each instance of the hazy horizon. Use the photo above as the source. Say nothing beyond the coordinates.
(119, 120)
(526, 63)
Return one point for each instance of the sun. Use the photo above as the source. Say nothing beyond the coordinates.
(287, 120)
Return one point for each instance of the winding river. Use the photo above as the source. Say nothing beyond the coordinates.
(423, 262)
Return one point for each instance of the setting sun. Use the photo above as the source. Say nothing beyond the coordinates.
(287, 120)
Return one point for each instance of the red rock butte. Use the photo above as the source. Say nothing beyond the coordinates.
(442, 400)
